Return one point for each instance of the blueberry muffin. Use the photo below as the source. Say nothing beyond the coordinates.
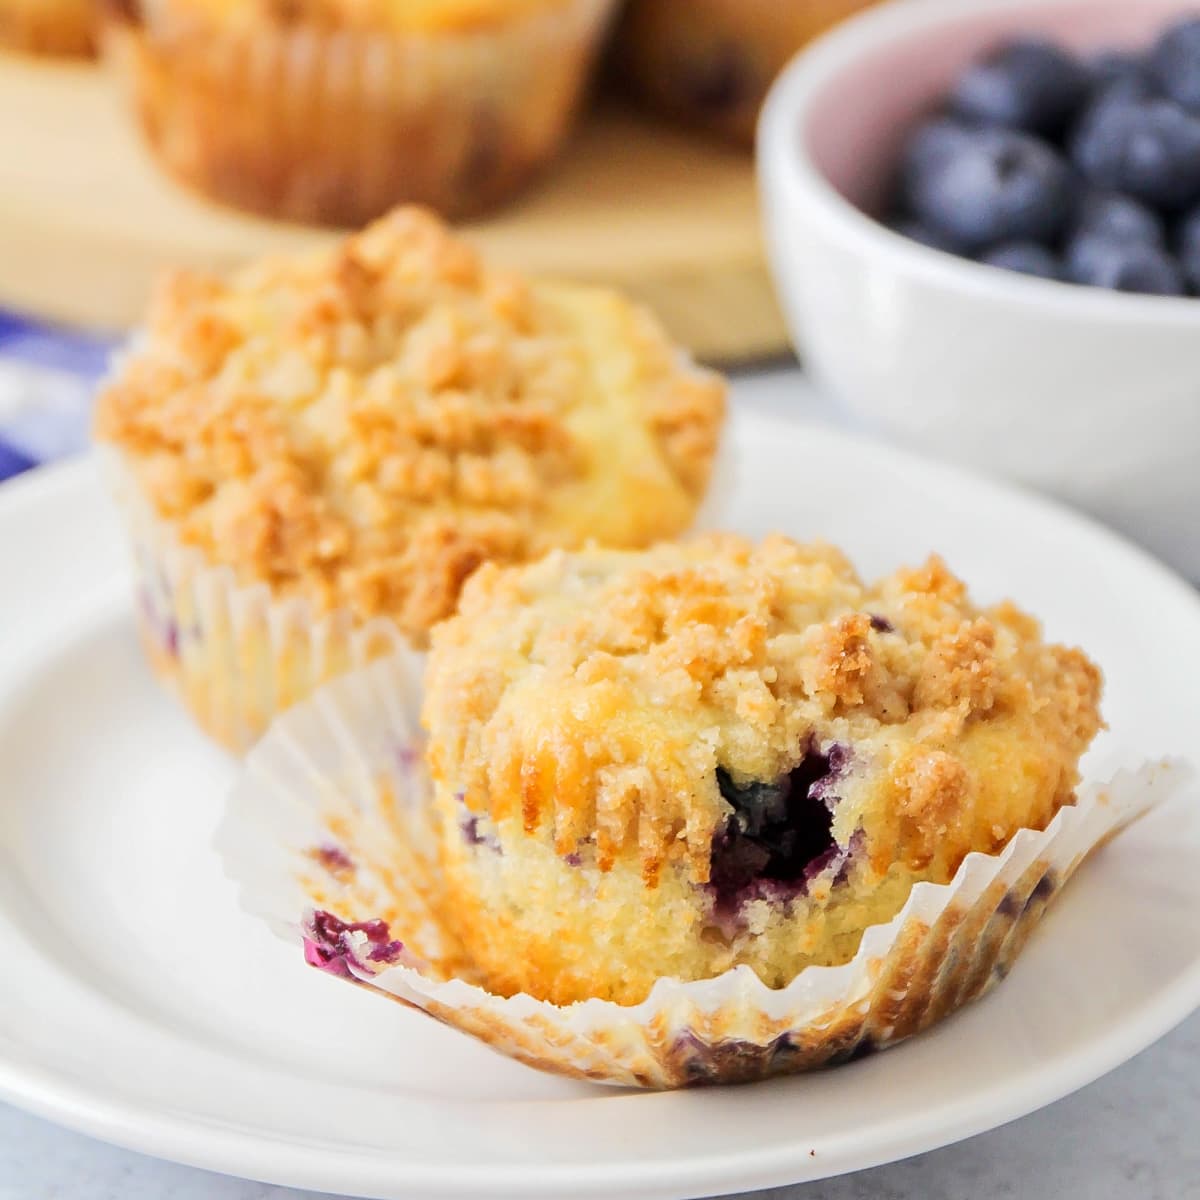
(332, 111)
(59, 27)
(325, 444)
(711, 62)
(675, 762)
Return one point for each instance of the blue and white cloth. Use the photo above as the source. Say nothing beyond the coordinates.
(48, 376)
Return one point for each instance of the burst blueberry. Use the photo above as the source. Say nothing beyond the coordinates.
(780, 832)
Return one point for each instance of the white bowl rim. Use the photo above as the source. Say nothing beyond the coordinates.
(784, 163)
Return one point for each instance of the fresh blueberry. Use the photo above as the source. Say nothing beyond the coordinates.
(1187, 233)
(1031, 85)
(907, 227)
(1147, 148)
(994, 186)
(1116, 73)
(1122, 266)
(1027, 258)
(1119, 218)
(927, 148)
(1175, 61)
(1187, 244)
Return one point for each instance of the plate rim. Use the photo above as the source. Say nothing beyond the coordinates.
(239, 1150)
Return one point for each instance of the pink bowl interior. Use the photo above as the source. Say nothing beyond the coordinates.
(856, 124)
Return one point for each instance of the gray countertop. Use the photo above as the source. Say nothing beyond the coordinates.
(1131, 1136)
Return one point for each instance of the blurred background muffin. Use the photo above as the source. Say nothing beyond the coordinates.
(710, 62)
(344, 108)
(65, 27)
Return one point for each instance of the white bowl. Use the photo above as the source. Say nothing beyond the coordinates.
(1091, 395)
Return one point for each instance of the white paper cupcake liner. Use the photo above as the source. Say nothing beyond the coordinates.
(235, 655)
(329, 834)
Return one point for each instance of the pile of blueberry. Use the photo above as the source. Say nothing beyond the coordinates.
(1082, 171)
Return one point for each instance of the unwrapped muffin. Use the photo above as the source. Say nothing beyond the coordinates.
(59, 27)
(711, 62)
(334, 110)
(676, 762)
(316, 453)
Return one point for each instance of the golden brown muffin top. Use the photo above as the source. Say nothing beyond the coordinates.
(594, 696)
(419, 16)
(365, 425)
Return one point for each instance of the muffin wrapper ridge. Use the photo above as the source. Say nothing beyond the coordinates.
(337, 126)
(330, 836)
(234, 655)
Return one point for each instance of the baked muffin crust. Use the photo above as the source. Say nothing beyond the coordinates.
(364, 426)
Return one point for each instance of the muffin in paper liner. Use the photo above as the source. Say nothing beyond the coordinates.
(711, 62)
(329, 834)
(336, 124)
(236, 655)
(54, 27)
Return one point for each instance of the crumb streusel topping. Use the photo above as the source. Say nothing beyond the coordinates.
(365, 426)
(600, 696)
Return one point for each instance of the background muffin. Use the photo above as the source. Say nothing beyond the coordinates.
(65, 27)
(711, 62)
(671, 763)
(335, 110)
(352, 433)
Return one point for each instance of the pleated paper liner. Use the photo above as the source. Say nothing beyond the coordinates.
(234, 655)
(337, 125)
(330, 835)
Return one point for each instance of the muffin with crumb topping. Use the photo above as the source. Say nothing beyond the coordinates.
(333, 111)
(674, 762)
(711, 62)
(56, 27)
(318, 451)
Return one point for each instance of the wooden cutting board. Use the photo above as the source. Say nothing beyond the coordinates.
(87, 220)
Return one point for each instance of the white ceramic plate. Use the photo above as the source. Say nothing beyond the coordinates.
(139, 1004)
